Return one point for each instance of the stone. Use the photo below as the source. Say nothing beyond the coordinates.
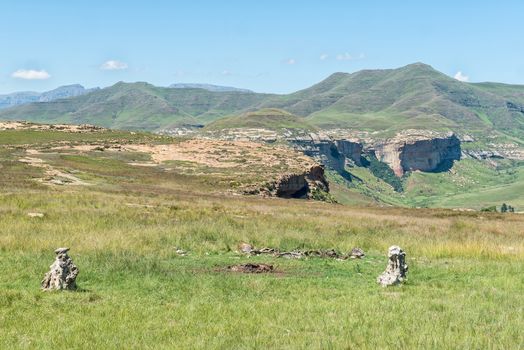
(356, 253)
(62, 273)
(396, 269)
(35, 215)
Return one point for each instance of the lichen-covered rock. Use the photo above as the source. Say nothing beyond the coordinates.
(62, 274)
(397, 268)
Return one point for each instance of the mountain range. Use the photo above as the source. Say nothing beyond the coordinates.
(414, 96)
(25, 97)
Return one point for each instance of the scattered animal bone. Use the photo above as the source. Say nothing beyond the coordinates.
(245, 248)
(291, 255)
(180, 252)
(356, 253)
(62, 274)
(251, 268)
(299, 254)
(396, 269)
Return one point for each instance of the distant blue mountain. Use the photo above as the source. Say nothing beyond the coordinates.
(25, 97)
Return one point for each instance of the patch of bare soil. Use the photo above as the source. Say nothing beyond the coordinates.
(52, 176)
(226, 154)
(251, 268)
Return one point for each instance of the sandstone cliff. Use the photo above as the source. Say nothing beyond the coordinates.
(300, 185)
(334, 154)
(419, 150)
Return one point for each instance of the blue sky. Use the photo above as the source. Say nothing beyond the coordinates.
(267, 46)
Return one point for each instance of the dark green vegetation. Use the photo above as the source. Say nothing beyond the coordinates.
(414, 96)
(470, 184)
(382, 171)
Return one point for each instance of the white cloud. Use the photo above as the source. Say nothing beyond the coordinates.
(324, 57)
(226, 72)
(291, 61)
(31, 74)
(461, 77)
(113, 65)
(349, 57)
(344, 57)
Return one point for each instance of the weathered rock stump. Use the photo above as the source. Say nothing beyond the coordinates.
(397, 268)
(62, 274)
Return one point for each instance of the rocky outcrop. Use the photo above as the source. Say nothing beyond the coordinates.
(301, 185)
(334, 154)
(396, 269)
(62, 274)
(482, 154)
(418, 150)
(350, 149)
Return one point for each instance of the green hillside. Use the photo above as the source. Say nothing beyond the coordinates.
(267, 118)
(137, 106)
(414, 96)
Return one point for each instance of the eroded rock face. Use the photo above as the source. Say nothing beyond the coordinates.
(396, 269)
(418, 150)
(351, 150)
(329, 152)
(62, 274)
(301, 185)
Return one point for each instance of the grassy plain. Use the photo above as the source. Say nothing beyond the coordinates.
(135, 292)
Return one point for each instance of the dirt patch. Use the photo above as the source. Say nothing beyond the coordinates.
(251, 268)
(52, 176)
(225, 154)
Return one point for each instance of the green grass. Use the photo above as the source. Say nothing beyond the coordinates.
(135, 292)
(464, 287)
(470, 184)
